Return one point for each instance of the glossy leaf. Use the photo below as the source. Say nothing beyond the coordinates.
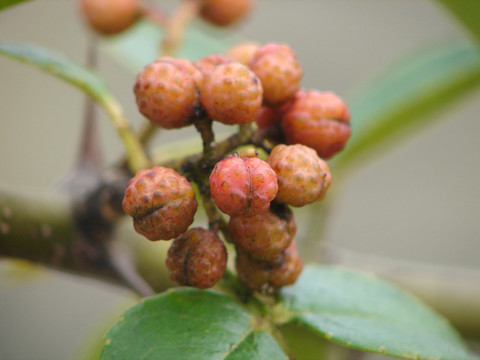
(363, 312)
(467, 12)
(407, 97)
(57, 65)
(7, 3)
(141, 44)
(189, 324)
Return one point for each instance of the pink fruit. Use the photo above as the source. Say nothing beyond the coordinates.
(243, 186)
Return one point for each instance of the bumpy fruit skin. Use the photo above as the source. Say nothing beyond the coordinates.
(197, 258)
(243, 186)
(208, 63)
(109, 17)
(231, 94)
(264, 236)
(161, 202)
(225, 12)
(188, 67)
(269, 121)
(243, 52)
(302, 176)
(289, 270)
(166, 94)
(320, 120)
(277, 66)
(269, 276)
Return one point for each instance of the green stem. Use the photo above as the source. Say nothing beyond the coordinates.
(146, 132)
(217, 152)
(204, 127)
(136, 157)
(42, 230)
(177, 25)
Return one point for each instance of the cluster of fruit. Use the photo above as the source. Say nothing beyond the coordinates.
(110, 17)
(252, 84)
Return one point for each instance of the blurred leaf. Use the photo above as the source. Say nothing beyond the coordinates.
(141, 44)
(7, 3)
(408, 97)
(362, 312)
(303, 343)
(189, 324)
(467, 12)
(59, 66)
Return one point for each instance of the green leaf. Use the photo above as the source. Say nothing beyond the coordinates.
(140, 45)
(87, 81)
(189, 324)
(59, 66)
(365, 313)
(467, 12)
(7, 3)
(407, 97)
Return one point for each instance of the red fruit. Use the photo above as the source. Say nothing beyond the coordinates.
(161, 202)
(277, 67)
(109, 16)
(289, 270)
(231, 94)
(302, 176)
(268, 276)
(225, 12)
(264, 236)
(188, 67)
(243, 52)
(269, 121)
(243, 186)
(320, 120)
(208, 63)
(197, 258)
(166, 94)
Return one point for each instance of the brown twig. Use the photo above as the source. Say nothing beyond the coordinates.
(177, 26)
(153, 14)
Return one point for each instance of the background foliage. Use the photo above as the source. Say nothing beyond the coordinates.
(455, 73)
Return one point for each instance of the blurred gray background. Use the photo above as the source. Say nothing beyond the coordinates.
(418, 202)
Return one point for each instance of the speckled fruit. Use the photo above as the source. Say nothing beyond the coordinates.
(208, 63)
(302, 176)
(243, 186)
(269, 276)
(166, 94)
(188, 67)
(161, 202)
(320, 120)
(231, 94)
(264, 236)
(197, 258)
(277, 67)
(109, 17)
(289, 270)
(243, 52)
(225, 12)
(269, 121)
